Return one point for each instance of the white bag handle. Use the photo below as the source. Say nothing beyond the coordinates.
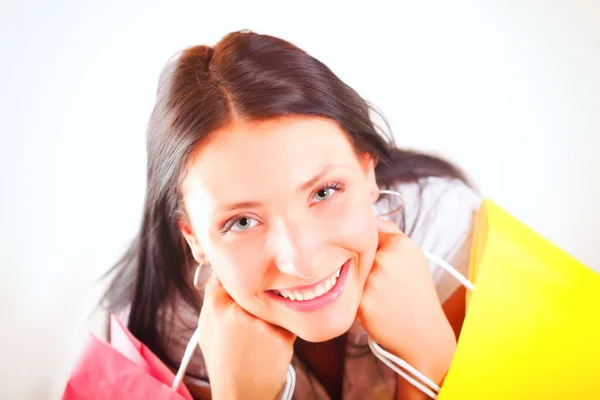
(430, 388)
(397, 364)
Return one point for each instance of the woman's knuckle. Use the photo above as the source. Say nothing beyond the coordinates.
(397, 240)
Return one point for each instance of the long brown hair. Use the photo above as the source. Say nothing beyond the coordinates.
(246, 76)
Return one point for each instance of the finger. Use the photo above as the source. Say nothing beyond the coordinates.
(389, 234)
(287, 335)
(215, 293)
(387, 226)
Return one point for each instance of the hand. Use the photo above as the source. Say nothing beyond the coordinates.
(245, 356)
(400, 308)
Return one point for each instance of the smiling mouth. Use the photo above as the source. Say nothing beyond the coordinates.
(314, 292)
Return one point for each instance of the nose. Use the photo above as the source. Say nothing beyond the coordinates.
(295, 248)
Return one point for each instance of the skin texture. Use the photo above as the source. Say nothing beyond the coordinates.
(296, 239)
(285, 203)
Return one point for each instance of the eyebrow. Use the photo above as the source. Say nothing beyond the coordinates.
(235, 206)
(302, 188)
(313, 181)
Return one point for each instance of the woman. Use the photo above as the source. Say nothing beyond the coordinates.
(265, 169)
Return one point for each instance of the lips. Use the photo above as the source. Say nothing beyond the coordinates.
(316, 291)
(331, 288)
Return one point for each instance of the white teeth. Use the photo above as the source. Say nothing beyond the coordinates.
(318, 291)
(328, 285)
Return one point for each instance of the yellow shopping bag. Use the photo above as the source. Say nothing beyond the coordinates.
(532, 328)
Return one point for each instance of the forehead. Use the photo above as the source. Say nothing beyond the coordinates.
(246, 157)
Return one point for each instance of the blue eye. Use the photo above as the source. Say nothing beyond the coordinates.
(324, 194)
(327, 191)
(243, 224)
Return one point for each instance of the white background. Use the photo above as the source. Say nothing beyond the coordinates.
(510, 90)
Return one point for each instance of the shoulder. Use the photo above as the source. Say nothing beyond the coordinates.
(434, 204)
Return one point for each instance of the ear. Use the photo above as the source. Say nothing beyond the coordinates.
(192, 241)
(367, 163)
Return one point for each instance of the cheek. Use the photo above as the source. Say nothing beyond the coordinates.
(240, 270)
(361, 237)
(357, 225)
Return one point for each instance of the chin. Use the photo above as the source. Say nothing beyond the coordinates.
(327, 326)
(324, 334)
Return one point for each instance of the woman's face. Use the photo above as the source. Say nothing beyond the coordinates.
(282, 210)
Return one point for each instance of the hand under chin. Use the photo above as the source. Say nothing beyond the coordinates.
(319, 331)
